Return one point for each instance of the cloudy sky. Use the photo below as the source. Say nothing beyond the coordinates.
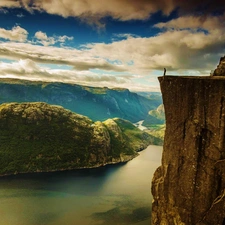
(114, 43)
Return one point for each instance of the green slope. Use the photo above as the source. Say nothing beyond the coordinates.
(37, 137)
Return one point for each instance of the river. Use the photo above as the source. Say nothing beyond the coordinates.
(111, 195)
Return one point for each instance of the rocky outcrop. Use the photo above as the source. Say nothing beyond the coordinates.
(220, 70)
(189, 187)
(37, 137)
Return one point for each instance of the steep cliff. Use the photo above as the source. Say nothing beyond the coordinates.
(189, 187)
(37, 137)
(220, 70)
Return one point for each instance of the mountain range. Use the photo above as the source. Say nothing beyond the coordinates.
(96, 103)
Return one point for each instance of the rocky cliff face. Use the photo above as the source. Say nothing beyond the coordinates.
(220, 70)
(189, 187)
(37, 137)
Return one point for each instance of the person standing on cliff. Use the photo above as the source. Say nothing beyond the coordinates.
(164, 74)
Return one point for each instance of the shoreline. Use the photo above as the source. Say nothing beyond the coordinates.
(112, 163)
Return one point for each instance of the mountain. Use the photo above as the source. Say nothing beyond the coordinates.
(96, 103)
(151, 95)
(155, 122)
(38, 137)
(156, 116)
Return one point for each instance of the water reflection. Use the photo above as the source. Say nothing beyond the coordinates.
(118, 216)
(119, 193)
(85, 181)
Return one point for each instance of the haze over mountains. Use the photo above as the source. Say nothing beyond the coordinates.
(96, 103)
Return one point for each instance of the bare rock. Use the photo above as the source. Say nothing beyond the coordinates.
(189, 187)
(220, 70)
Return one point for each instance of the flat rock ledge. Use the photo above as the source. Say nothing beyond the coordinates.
(189, 187)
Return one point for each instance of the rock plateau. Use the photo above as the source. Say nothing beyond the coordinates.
(189, 187)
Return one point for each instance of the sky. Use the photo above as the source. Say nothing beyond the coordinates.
(110, 43)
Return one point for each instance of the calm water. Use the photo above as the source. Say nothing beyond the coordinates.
(112, 195)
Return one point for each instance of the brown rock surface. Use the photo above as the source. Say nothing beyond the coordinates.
(189, 187)
(220, 70)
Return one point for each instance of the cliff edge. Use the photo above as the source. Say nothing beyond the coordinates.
(189, 187)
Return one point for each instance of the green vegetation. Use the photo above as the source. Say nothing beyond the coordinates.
(96, 90)
(98, 103)
(158, 131)
(134, 136)
(38, 137)
(155, 124)
(155, 117)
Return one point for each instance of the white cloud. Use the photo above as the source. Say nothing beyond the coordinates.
(46, 41)
(64, 38)
(28, 66)
(194, 23)
(123, 10)
(16, 34)
(20, 15)
(97, 9)
(41, 36)
(183, 45)
(92, 11)
(180, 47)
(29, 70)
(79, 59)
(22, 68)
(4, 11)
(124, 36)
(43, 39)
(200, 32)
(10, 3)
(173, 49)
